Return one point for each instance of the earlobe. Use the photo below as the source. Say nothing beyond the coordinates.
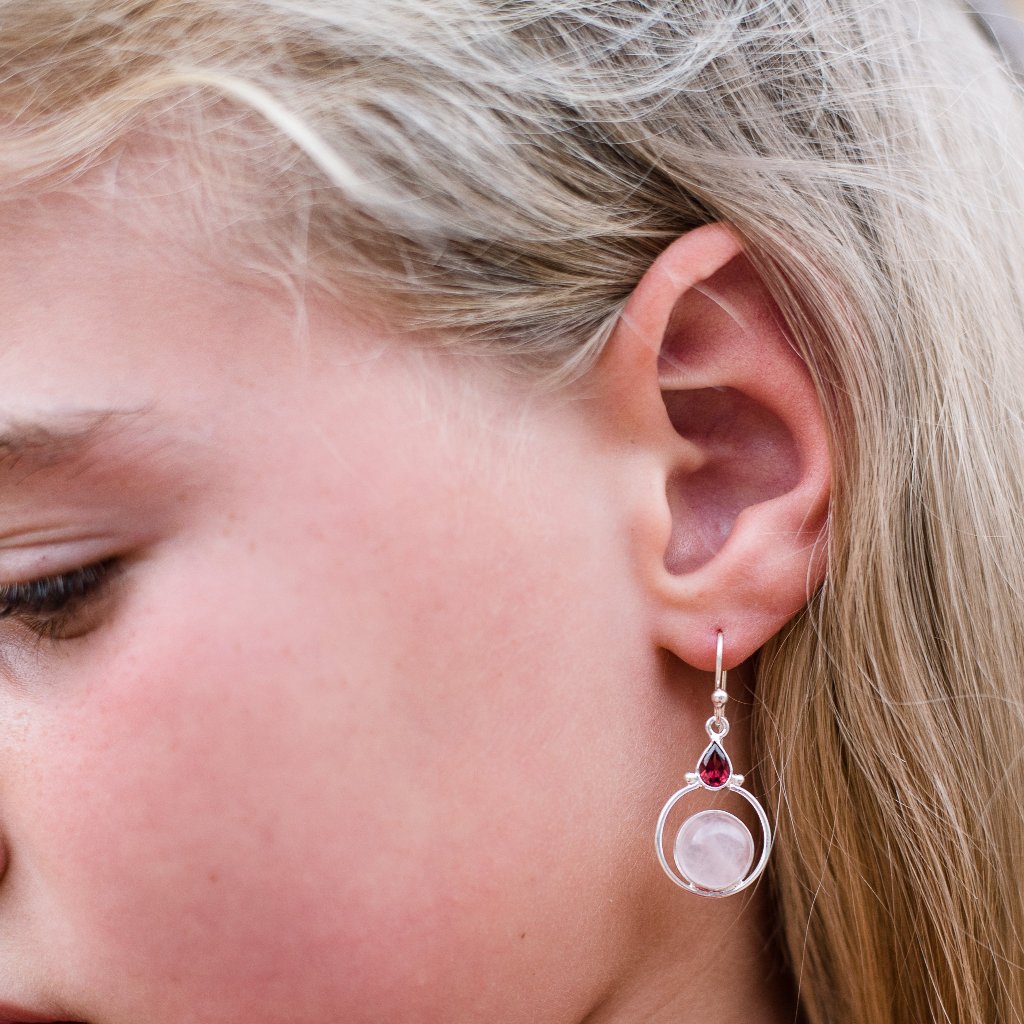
(717, 405)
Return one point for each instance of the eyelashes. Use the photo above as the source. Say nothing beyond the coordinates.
(54, 607)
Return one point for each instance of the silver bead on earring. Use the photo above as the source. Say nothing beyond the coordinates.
(713, 850)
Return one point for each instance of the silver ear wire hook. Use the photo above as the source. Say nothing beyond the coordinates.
(718, 695)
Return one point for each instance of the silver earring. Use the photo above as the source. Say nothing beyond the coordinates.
(713, 850)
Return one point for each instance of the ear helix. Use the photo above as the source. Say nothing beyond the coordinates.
(713, 850)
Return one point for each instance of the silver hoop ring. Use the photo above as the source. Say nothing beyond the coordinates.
(685, 883)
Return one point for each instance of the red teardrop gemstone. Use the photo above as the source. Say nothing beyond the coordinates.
(714, 767)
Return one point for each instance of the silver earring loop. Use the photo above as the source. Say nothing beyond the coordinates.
(713, 850)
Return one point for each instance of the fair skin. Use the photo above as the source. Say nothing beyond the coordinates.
(374, 722)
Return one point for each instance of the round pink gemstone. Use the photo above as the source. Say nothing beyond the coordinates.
(714, 767)
(714, 850)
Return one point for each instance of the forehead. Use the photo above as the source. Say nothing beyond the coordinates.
(83, 300)
(94, 289)
(115, 207)
(157, 186)
(117, 304)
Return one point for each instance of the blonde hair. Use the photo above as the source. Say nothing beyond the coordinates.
(505, 173)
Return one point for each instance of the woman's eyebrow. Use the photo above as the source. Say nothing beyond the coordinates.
(62, 436)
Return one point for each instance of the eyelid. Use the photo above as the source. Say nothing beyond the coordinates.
(65, 586)
(40, 556)
(61, 606)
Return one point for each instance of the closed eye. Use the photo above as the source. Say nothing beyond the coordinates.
(53, 606)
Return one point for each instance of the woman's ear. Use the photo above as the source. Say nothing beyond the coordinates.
(717, 429)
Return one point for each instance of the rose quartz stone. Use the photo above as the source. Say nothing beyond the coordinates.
(714, 850)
